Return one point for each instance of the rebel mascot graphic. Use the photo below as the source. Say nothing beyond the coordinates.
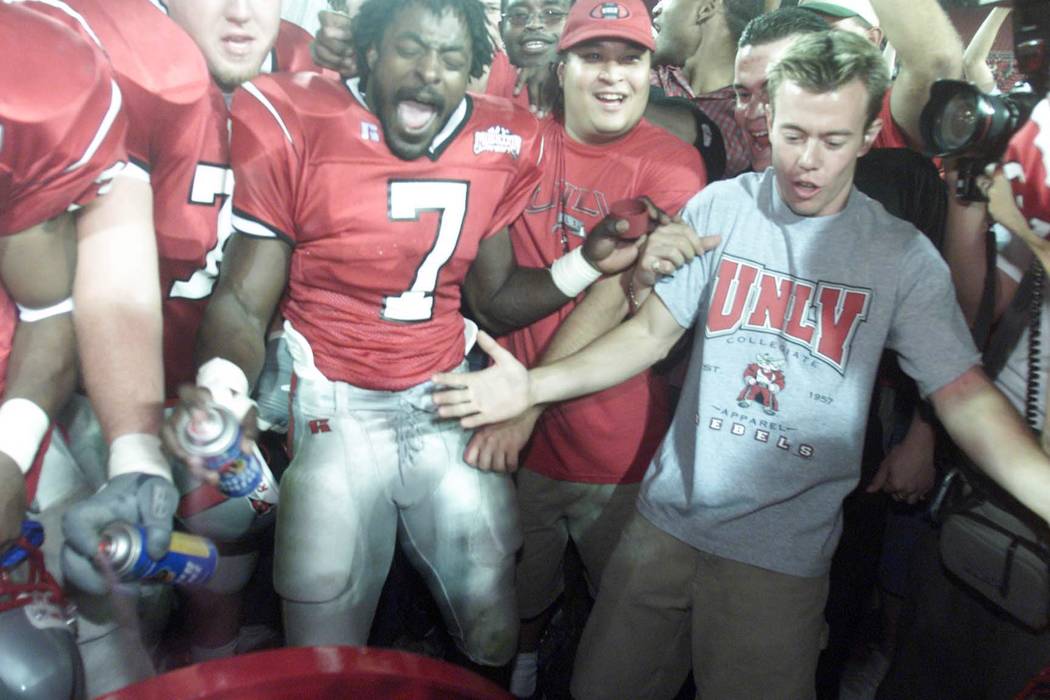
(763, 380)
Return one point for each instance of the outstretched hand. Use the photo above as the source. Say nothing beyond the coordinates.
(494, 394)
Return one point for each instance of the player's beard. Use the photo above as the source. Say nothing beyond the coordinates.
(230, 79)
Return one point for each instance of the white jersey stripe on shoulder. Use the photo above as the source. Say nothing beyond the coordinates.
(252, 228)
(59, 5)
(257, 94)
(115, 101)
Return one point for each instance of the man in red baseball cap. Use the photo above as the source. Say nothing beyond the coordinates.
(584, 461)
(627, 20)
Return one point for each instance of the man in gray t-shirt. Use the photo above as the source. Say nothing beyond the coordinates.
(790, 316)
(725, 567)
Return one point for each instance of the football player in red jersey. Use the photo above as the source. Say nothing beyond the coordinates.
(380, 203)
(184, 173)
(61, 142)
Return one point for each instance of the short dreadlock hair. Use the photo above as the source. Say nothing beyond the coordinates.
(375, 16)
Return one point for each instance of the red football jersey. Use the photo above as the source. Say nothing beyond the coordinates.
(1027, 165)
(608, 437)
(380, 245)
(61, 129)
(503, 76)
(178, 139)
(62, 125)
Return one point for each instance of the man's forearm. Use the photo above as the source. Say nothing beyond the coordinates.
(975, 58)
(118, 315)
(604, 307)
(231, 332)
(42, 364)
(965, 250)
(628, 349)
(527, 295)
(988, 428)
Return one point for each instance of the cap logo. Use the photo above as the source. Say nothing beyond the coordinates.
(610, 10)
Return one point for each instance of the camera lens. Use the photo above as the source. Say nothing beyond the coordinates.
(958, 123)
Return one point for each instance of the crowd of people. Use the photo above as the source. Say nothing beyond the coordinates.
(399, 254)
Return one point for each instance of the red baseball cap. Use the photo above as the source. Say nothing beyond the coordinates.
(626, 19)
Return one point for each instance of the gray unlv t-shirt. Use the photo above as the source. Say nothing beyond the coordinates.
(791, 316)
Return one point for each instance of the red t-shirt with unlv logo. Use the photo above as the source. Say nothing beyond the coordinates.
(381, 245)
(610, 436)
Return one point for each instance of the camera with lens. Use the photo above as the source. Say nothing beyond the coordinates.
(961, 122)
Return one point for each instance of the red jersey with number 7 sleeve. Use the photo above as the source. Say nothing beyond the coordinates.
(380, 245)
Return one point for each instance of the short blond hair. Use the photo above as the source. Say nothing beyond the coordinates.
(824, 61)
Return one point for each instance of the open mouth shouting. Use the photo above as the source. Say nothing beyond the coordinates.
(416, 113)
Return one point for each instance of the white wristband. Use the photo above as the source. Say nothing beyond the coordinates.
(571, 273)
(28, 315)
(23, 426)
(138, 452)
(228, 385)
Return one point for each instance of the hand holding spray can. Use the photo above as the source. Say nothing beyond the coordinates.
(214, 435)
(189, 560)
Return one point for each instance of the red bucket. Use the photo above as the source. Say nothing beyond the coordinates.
(316, 673)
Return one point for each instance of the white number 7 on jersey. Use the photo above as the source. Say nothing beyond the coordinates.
(407, 198)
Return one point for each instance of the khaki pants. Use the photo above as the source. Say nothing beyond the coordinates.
(552, 511)
(749, 632)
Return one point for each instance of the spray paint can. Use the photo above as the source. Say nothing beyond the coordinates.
(215, 437)
(189, 560)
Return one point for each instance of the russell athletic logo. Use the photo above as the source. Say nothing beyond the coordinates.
(610, 10)
(821, 316)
